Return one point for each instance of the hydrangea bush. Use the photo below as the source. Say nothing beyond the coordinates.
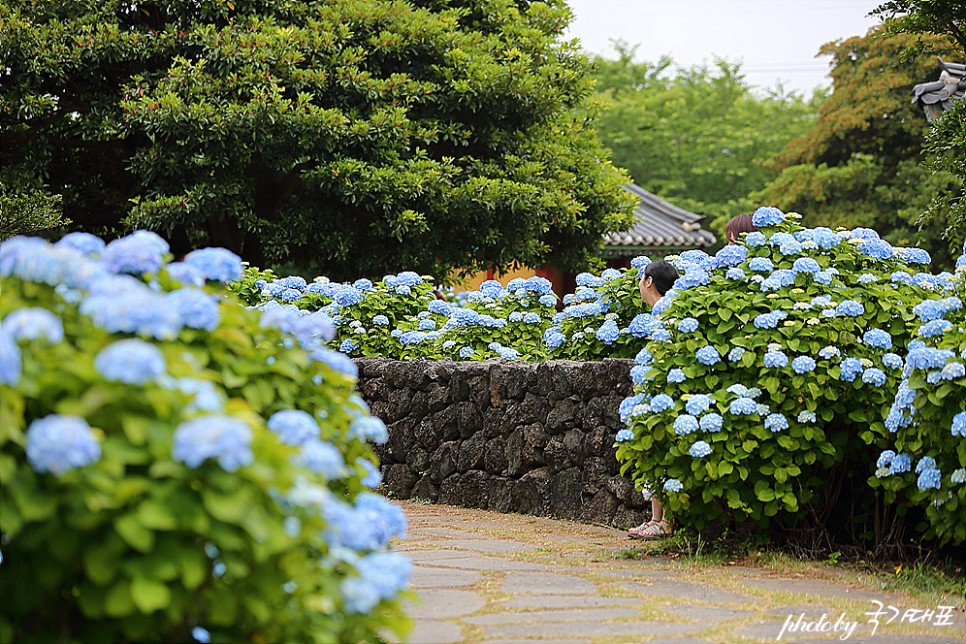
(176, 466)
(927, 463)
(773, 374)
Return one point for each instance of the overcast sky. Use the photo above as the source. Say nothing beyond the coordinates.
(775, 40)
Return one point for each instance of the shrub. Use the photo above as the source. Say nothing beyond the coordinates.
(928, 416)
(779, 356)
(175, 465)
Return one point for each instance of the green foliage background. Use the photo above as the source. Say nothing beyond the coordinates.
(356, 136)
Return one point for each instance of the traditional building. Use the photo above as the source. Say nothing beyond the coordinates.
(659, 229)
(938, 96)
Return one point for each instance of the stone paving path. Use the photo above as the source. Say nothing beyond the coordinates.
(487, 577)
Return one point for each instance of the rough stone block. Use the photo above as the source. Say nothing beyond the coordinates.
(494, 458)
(398, 480)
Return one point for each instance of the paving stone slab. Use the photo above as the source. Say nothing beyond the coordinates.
(481, 545)
(591, 629)
(446, 532)
(444, 603)
(429, 577)
(812, 611)
(639, 575)
(572, 615)
(547, 583)
(434, 631)
(688, 591)
(531, 641)
(879, 638)
(419, 555)
(566, 601)
(679, 640)
(813, 588)
(709, 615)
(482, 562)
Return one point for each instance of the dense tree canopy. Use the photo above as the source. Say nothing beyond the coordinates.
(860, 163)
(701, 137)
(346, 136)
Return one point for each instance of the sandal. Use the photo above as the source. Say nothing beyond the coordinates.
(636, 532)
(651, 530)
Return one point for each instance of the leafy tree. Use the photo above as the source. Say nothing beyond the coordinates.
(946, 142)
(346, 136)
(22, 213)
(859, 164)
(701, 138)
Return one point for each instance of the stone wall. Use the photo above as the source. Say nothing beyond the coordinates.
(534, 438)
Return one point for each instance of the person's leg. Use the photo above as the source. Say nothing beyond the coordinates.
(657, 510)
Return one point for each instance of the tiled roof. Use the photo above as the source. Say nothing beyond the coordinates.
(660, 224)
(939, 95)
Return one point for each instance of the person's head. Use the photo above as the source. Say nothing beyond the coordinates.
(657, 280)
(737, 225)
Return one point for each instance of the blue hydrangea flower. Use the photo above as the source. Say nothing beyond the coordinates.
(711, 423)
(131, 309)
(57, 443)
(767, 216)
(688, 325)
(885, 459)
(766, 321)
(803, 364)
(925, 358)
(223, 437)
(708, 356)
(735, 274)
(958, 427)
(140, 252)
(867, 278)
(673, 485)
(381, 576)
(33, 324)
(466, 352)
(406, 278)
(735, 354)
(925, 463)
(738, 389)
(186, 274)
(608, 333)
(640, 261)
(10, 359)
(929, 480)
(900, 463)
(913, 255)
(892, 361)
(323, 458)
(729, 256)
(822, 277)
(364, 285)
(934, 328)
(806, 416)
(366, 526)
(642, 325)
(850, 369)
(877, 338)
(372, 477)
(676, 375)
(850, 308)
(216, 264)
(755, 239)
(369, 428)
(201, 635)
(829, 352)
(698, 404)
(643, 357)
(791, 247)
(693, 277)
(197, 309)
(294, 426)
(638, 374)
(775, 359)
(131, 361)
(700, 449)
(685, 424)
(806, 265)
(959, 475)
(428, 324)
(874, 377)
(761, 265)
(336, 361)
(776, 423)
(624, 435)
(743, 407)
(661, 402)
(84, 243)
(380, 320)
(876, 248)
(346, 295)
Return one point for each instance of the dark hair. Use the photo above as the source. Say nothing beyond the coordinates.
(739, 224)
(663, 275)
